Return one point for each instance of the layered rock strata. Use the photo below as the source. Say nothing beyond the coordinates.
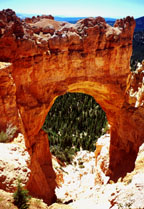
(51, 58)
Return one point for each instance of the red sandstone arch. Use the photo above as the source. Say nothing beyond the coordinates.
(51, 58)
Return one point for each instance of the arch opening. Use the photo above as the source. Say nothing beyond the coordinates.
(74, 123)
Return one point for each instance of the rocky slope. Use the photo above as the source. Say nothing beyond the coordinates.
(77, 188)
(14, 162)
(82, 188)
(50, 58)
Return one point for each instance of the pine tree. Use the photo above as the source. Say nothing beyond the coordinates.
(74, 121)
(21, 197)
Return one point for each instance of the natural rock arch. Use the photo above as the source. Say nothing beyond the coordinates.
(51, 58)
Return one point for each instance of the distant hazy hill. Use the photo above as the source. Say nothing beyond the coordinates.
(67, 19)
(75, 19)
(110, 21)
(140, 24)
(23, 16)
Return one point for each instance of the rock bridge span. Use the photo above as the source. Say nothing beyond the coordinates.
(50, 58)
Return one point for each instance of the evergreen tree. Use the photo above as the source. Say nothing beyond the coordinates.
(75, 121)
(21, 197)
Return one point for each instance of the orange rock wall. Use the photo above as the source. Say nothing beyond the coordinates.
(9, 114)
(51, 58)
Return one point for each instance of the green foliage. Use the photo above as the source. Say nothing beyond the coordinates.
(21, 197)
(3, 137)
(125, 205)
(64, 154)
(81, 166)
(80, 163)
(8, 134)
(75, 121)
(138, 49)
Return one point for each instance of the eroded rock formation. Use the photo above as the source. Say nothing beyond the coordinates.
(51, 58)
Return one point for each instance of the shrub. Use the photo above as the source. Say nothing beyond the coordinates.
(8, 134)
(63, 154)
(81, 166)
(3, 136)
(21, 197)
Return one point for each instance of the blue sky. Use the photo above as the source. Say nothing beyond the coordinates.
(81, 8)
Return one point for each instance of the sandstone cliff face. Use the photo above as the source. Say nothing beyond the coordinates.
(51, 58)
(8, 108)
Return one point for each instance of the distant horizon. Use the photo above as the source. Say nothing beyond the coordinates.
(63, 16)
(77, 8)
